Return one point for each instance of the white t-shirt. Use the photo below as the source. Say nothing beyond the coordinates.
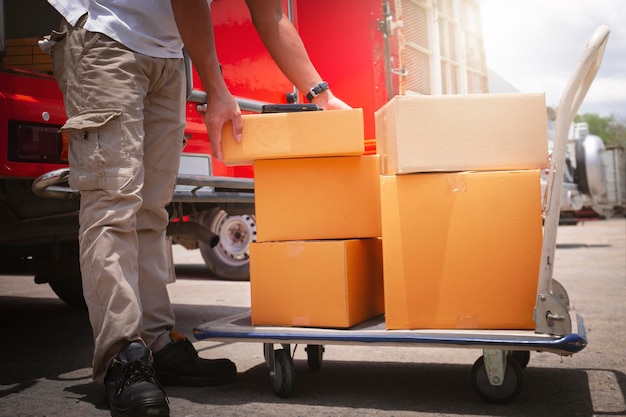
(144, 26)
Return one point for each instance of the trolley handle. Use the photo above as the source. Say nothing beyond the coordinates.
(548, 307)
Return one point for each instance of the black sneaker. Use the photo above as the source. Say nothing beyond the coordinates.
(130, 386)
(178, 364)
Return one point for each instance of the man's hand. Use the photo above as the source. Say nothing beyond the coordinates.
(218, 112)
(193, 18)
(327, 101)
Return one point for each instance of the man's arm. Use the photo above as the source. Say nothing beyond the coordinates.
(285, 46)
(195, 25)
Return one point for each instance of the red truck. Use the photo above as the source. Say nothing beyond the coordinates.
(212, 207)
(368, 51)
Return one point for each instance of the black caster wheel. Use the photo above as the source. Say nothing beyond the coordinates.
(283, 376)
(499, 394)
(314, 355)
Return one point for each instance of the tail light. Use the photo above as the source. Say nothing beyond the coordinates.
(33, 142)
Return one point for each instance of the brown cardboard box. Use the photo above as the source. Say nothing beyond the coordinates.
(461, 250)
(467, 132)
(317, 198)
(295, 135)
(326, 283)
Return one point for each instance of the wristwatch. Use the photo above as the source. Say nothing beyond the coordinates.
(317, 90)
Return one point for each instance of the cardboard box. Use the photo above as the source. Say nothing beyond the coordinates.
(461, 250)
(295, 135)
(467, 132)
(317, 198)
(332, 283)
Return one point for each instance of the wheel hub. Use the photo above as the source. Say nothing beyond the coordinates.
(235, 235)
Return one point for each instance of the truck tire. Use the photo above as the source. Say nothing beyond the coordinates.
(59, 267)
(228, 255)
(70, 290)
(590, 171)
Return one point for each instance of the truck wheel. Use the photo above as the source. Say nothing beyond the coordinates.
(228, 255)
(70, 290)
(60, 268)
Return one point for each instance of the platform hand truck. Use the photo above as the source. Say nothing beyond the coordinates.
(497, 374)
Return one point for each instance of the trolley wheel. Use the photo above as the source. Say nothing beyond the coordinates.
(283, 376)
(522, 357)
(314, 355)
(502, 394)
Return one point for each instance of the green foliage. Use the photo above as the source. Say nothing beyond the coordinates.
(611, 130)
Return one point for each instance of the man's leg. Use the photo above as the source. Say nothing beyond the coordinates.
(103, 92)
(175, 359)
(164, 124)
(106, 134)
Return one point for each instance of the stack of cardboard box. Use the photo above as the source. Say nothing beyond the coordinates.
(442, 229)
(318, 256)
(461, 209)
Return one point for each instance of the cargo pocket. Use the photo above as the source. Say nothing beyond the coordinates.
(98, 153)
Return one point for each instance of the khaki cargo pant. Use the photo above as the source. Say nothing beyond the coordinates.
(126, 121)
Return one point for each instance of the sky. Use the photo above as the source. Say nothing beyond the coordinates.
(535, 45)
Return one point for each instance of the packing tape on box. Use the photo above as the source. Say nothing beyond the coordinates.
(295, 249)
(457, 182)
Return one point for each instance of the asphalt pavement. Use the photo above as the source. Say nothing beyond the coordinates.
(45, 353)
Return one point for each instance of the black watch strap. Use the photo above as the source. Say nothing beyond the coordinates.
(317, 90)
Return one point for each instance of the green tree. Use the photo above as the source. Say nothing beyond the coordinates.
(611, 130)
